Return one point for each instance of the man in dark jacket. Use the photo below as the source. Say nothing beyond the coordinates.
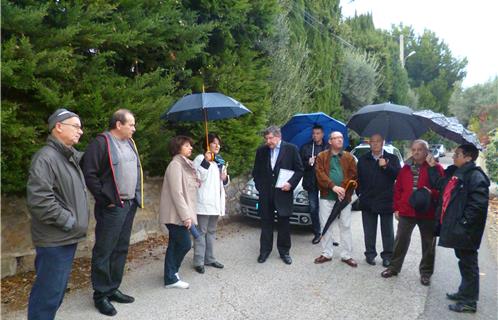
(308, 152)
(57, 203)
(377, 171)
(114, 176)
(273, 160)
(461, 219)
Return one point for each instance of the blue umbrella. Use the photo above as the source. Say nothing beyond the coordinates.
(204, 107)
(298, 129)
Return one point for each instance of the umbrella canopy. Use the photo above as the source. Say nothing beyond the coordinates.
(447, 127)
(392, 121)
(298, 129)
(199, 106)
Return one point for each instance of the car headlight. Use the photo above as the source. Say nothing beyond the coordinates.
(250, 190)
(302, 198)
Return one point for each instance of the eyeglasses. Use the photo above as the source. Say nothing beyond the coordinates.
(77, 127)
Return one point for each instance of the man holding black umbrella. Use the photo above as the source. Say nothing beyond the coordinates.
(334, 169)
(377, 171)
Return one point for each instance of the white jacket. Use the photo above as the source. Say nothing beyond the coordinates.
(211, 193)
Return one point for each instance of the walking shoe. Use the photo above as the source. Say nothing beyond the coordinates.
(200, 269)
(425, 280)
(322, 259)
(454, 296)
(286, 258)
(386, 263)
(179, 285)
(316, 238)
(120, 297)
(215, 264)
(350, 262)
(388, 273)
(335, 244)
(370, 261)
(105, 307)
(470, 307)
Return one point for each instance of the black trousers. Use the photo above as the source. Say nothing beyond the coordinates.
(283, 230)
(370, 233)
(112, 239)
(469, 270)
(402, 243)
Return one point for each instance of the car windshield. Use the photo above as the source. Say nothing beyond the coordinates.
(358, 152)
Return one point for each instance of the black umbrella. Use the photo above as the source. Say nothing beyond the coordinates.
(447, 127)
(203, 107)
(392, 121)
(339, 205)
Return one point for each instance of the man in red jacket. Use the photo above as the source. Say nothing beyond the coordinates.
(414, 176)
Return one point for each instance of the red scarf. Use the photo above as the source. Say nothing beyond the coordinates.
(447, 195)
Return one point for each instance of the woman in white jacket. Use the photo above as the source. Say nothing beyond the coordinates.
(211, 171)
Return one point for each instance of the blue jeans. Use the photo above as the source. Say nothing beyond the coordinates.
(53, 267)
(112, 239)
(179, 244)
(315, 218)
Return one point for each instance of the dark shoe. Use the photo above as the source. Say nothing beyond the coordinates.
(316, 239)
(286, 259)
(215, 264)
(425, 280)
(454, 296)
(105, 307)
(200, 269)
(262, 257)
(388, 273)
(463, 307)
(370, 261)
(335, 244)
(386, 263)
(322, 259)
(350, 262)
(120, 297)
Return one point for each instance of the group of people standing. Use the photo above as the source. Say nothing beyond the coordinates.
(450, 204)
(59, 180)
(453, 203)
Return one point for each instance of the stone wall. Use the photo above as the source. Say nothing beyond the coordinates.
(18, 252)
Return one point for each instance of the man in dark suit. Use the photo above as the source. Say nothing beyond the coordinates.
(274, 155)
(377, 171)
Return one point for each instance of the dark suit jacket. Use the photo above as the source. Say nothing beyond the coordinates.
(265, 179)
(376, 184)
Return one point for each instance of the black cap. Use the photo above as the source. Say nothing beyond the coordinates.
(420, 200)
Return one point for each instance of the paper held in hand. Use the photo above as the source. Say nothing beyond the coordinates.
(284, 175)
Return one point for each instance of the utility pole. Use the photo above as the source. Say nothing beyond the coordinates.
(402, 50)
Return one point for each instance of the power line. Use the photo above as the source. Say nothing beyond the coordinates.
(313, 22)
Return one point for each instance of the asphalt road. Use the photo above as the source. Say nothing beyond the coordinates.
(246, 289)
(303, 290)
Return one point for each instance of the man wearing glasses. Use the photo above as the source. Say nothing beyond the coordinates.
(57, 202)
(113, 175)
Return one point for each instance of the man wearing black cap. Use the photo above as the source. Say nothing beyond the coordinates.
(461, 219)
(113, 175)
(57, 202)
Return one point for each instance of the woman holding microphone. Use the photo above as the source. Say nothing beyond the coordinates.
(211, 171)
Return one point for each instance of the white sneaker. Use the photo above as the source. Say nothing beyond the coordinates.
(177, 276)
(179, 284)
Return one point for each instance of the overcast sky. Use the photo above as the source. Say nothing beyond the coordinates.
(469, 28)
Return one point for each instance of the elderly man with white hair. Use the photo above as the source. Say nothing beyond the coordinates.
(414, 205)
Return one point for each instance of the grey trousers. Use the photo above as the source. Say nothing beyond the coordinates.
(203, 246)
